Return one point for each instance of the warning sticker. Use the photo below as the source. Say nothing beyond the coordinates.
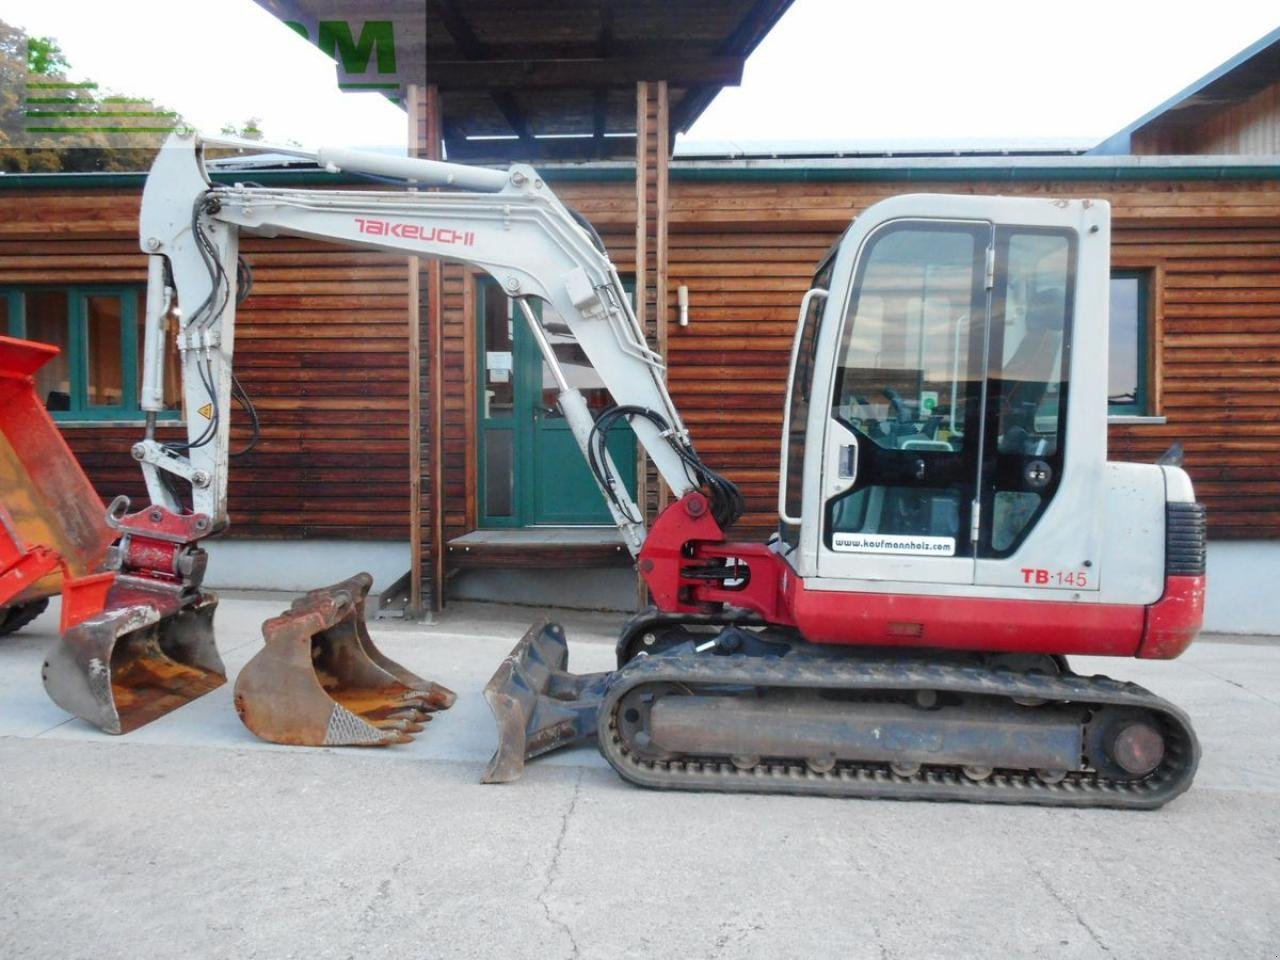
(206, 411)
(893, 543)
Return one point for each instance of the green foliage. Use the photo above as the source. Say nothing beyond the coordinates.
(45, 57)
(251, 129)
(49, 123)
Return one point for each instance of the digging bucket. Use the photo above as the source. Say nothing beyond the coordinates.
(320, 681)
(538, 705)
(145, 655)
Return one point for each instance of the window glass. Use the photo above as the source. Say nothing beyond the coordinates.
(499, 377)
(905, 361)
(1128, 318)
(104, 325)
(576, 367)
(99, 336)
(48, 321)
(1028, 379)
(908, 382)
(499, 472)
(172, 359)
(801, 387)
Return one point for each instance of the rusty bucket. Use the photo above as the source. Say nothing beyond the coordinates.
(320, 681)
(144, 656)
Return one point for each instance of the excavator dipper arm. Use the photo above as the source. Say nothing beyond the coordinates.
(507, 223)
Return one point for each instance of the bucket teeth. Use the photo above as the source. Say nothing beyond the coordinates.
(538, 705)
(130, 665)
(320, 681)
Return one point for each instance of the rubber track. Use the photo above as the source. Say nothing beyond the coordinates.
(1079, 789)
(13, 619)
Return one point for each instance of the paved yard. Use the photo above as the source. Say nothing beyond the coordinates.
(191, 838)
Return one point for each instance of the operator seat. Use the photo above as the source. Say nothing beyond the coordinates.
(1027, 375)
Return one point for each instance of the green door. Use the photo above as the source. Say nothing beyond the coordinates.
(531, 471)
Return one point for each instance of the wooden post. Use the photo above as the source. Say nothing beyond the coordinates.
(662, 158)
(426, 509)
(653, 149)
(435, 322)
(417, 123)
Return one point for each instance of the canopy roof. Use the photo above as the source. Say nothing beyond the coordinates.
(527, 79)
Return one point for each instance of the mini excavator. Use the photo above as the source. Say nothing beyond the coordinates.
(949, 527)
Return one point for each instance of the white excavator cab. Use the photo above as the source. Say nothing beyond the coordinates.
(945, 426)
(942, 418)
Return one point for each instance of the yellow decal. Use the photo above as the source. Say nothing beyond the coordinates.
(206, 411)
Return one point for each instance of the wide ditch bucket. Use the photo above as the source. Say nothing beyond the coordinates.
(144, 656)
(320, 681)
(49, 510)
(538, 704)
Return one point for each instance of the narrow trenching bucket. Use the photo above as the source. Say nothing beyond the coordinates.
(48, 507)
(320, 681)
(143, 657)
(538, 705)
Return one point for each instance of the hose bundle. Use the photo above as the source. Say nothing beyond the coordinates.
(722, 493)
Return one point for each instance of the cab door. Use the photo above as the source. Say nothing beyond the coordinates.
(965, 441)
(1044, 430)
(900, 475)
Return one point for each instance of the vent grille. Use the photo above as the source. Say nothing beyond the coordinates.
(1184, 539)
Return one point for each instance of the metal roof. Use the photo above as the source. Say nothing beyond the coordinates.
(913, 147)
(895, 169)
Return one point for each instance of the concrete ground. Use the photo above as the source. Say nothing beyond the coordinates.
(191, 838)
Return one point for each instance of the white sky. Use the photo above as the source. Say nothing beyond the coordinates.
(831, 69)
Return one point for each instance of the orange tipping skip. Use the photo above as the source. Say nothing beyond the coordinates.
(54, 523)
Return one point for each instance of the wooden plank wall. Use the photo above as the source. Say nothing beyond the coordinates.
(320, 348)
(1249, 128)
(322, 342)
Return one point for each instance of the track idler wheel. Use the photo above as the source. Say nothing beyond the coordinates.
(126, 667)
(320, 681)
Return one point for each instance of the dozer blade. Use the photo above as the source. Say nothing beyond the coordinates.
(539, 706)
(320, 681)
(133, 663)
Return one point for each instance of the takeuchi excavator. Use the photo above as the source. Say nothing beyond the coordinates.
(949, 527)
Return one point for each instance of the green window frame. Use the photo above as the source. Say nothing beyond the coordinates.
(130, 298)
(1129, 354)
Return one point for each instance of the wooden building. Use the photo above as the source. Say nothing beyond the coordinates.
(394, 417)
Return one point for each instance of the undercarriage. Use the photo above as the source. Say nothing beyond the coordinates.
(701, 706)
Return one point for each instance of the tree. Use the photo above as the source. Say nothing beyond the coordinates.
(49, 123)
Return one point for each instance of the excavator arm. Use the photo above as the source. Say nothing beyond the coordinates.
(508, 223)
(141, 643)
